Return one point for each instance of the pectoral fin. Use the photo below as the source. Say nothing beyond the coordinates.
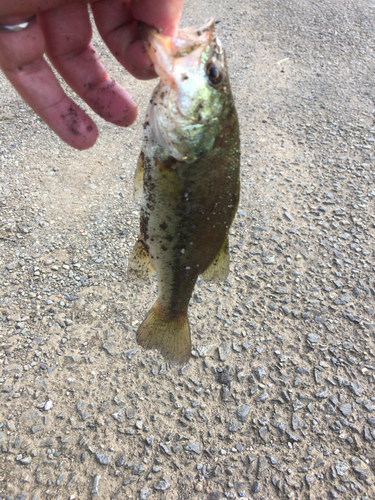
(219, 268)
(138, 177)
(139, 262)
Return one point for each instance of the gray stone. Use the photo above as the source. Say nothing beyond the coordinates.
(368, 406)
(341, 467)
(224, 350)
(233, 426)
(163, 485)
(262, 467)
(130, 353)
(243, 412)
(260, 372)
(205, 350)
(95, 486)
(356, 388)
(110, 347)
(310, 481)
(144, 494)
(102, 459)
(194, 446)
(139, 469)
(296, 422)
(346, 409)
(313, 337)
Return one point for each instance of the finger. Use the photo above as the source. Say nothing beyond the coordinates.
(118, 28)
(116, 23)
(18, 10)
(164, 14)
(21, 59)
(68, 34)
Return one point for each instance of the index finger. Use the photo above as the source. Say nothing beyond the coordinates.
(117, 24)
(22, 61)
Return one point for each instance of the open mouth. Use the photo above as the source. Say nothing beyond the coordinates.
(164, 50)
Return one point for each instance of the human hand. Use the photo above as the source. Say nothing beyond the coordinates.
(62, 31)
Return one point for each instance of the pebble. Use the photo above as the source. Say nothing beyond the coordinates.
(95, 486)
(194, 446)
(346, 409)
(48, 405)
(243, 413)
(163, 485)
(102, 458)
(224, 350)
(313, 337)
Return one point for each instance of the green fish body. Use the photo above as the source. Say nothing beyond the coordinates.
(188, 180)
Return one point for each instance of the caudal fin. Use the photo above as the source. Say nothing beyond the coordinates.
(169, 336)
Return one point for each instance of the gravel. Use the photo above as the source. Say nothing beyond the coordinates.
(278, 398)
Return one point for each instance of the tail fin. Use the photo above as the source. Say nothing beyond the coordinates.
(169, 336)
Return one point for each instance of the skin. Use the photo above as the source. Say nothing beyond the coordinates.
(63, 32)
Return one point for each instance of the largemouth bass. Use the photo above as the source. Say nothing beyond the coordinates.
(187, 178)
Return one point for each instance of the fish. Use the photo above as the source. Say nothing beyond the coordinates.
(187, 180)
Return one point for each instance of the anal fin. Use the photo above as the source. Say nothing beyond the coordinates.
(139, 262)
(219, 268)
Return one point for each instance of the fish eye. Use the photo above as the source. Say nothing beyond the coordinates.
(214, 73)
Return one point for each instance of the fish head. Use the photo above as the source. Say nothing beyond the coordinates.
(187, 105)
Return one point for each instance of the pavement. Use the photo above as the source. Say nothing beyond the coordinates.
(278, 398)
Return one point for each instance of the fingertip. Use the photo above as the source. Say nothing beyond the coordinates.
(71, 124)
(137, 61)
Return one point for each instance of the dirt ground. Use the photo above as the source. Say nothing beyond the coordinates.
(278, 398)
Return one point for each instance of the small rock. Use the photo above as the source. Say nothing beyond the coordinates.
(260, 372)
(233, 425)
(368, 406)
(243, 412)
(224, 350)
(95, 486)
(194, 446)
(255, 487)
(144, 494)
(205, 350)
(346, 409)
(110, 347)
(130, 353)
(296, 422)
(310, 480)
(341, 467)
(102, 459)
(262, 466)
(48, 405)
(313, 337)
(163, 485)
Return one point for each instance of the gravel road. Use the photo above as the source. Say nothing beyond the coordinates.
(278, 398)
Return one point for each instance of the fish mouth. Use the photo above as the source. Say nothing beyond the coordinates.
(165, 50)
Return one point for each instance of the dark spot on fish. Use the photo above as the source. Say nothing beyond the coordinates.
(163, 226)
(163, 247)
(169, 238)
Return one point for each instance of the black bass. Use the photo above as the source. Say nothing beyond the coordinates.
(187, 178)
